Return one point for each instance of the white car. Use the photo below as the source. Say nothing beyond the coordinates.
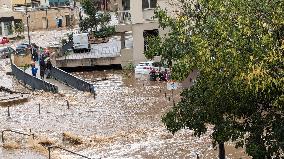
(147, 67)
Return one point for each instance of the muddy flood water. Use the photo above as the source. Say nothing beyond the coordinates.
(122, 121)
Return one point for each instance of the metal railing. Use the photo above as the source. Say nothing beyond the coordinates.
(17, 132)
(53, 147)
(71, 80)
(124, 17)
(34, 82)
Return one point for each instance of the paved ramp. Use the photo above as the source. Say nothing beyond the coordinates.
(61, 86)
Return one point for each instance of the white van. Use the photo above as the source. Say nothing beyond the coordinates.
(81, 42)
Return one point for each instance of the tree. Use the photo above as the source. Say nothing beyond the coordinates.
(19, 28)
(95, 17)
(237, 46)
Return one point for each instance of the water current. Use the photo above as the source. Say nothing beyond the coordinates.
(122, 121)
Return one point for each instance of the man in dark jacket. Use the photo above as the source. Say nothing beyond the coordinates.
(48, 68)
(41, 68)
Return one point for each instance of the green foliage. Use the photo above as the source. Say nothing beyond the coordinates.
(105, 32)
(25, 67)
(63, 41)
(95, 17)
(237, 46)
(19, 27)
(70, 36)
(129, 66)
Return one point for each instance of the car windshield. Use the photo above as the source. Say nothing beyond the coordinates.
(2, 50)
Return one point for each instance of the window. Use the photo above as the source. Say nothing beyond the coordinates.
(149, 33)
(126, 4)
(8, 28)
(149, 4)
(0, 29)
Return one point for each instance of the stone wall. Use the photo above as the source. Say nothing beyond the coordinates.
(37, 20)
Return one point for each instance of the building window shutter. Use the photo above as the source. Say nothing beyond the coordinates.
(145, 4)
(153, 4)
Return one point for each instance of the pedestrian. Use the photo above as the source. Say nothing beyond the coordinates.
(48, 68)
(153, 75)
(34, 70)
(165, 75)
(42, 68)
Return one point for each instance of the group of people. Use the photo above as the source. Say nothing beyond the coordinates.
(159, 75)
(44, 64)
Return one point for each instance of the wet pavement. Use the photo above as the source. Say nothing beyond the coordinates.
(122, 121)
(61, 86)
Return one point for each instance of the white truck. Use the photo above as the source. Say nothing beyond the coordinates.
(81, 42)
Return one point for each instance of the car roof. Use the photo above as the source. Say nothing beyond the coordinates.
(3, 47)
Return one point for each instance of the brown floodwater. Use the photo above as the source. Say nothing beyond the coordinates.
(122, 121)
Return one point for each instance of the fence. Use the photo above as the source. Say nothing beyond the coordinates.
(17, 132)
(74, 153)
(34, 82)
(71, 80)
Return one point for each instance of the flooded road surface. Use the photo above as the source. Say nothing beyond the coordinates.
(122, 121)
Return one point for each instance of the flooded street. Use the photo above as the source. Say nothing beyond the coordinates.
(122, 121)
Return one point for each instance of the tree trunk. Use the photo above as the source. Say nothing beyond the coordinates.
(221, 150)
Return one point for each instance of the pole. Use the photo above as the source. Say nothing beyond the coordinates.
(46, 27)
(68, 106)
(49, 154)
(38, 108)
(8, 111)
(3, 137)
(28, 22)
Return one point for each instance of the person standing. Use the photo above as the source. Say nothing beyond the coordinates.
(42, 68)
(34, 70)
(48, 68)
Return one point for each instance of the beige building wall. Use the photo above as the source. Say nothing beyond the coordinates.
(142, 19)
(6, 3)
(15, 2)
(37, 20)
(22, 60)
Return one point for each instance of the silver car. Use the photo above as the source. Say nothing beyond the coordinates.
(6, 51)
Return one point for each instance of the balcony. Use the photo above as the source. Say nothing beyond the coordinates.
(148, 14)
(124, 17)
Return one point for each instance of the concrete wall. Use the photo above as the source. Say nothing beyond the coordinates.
(141, 20)
(7, 3)
(88, 62)
(138, 40)
(126, 57)
(21, 60)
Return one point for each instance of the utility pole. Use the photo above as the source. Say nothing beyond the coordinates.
(46, 15)
(28, 22)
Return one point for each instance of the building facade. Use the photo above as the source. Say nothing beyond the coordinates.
(42, 14)
(136, 17)
(7, 22)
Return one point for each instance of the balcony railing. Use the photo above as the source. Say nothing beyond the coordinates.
(124, 17)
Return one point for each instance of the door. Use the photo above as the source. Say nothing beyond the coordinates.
(44, 23)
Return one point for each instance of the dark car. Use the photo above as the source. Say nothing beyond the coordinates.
(5, 52)
(21, 49)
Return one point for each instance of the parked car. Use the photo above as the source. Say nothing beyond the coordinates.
(24, 47)
(21, 49)
(4, 40)
(5, 52)
(146, 67)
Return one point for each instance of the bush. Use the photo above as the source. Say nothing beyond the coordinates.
(105, 32)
